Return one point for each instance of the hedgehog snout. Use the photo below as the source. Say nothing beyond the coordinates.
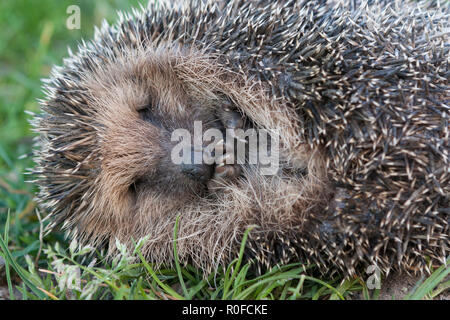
(197, 171)
(223, 167)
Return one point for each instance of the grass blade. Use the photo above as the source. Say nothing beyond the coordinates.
(177, 263)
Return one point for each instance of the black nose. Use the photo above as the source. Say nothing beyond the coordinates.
(198, 172)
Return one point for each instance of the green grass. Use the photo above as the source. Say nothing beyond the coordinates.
(33, 37)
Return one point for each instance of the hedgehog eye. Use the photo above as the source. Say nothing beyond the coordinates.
(145, 113)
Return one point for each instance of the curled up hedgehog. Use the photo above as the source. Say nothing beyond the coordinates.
(354, 95)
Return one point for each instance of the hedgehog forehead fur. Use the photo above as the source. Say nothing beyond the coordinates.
(358, 94)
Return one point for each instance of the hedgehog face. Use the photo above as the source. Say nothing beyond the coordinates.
(155, 123)
(140, 111)
(163, 174)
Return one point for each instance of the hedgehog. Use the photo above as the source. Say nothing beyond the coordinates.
(354, 93)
